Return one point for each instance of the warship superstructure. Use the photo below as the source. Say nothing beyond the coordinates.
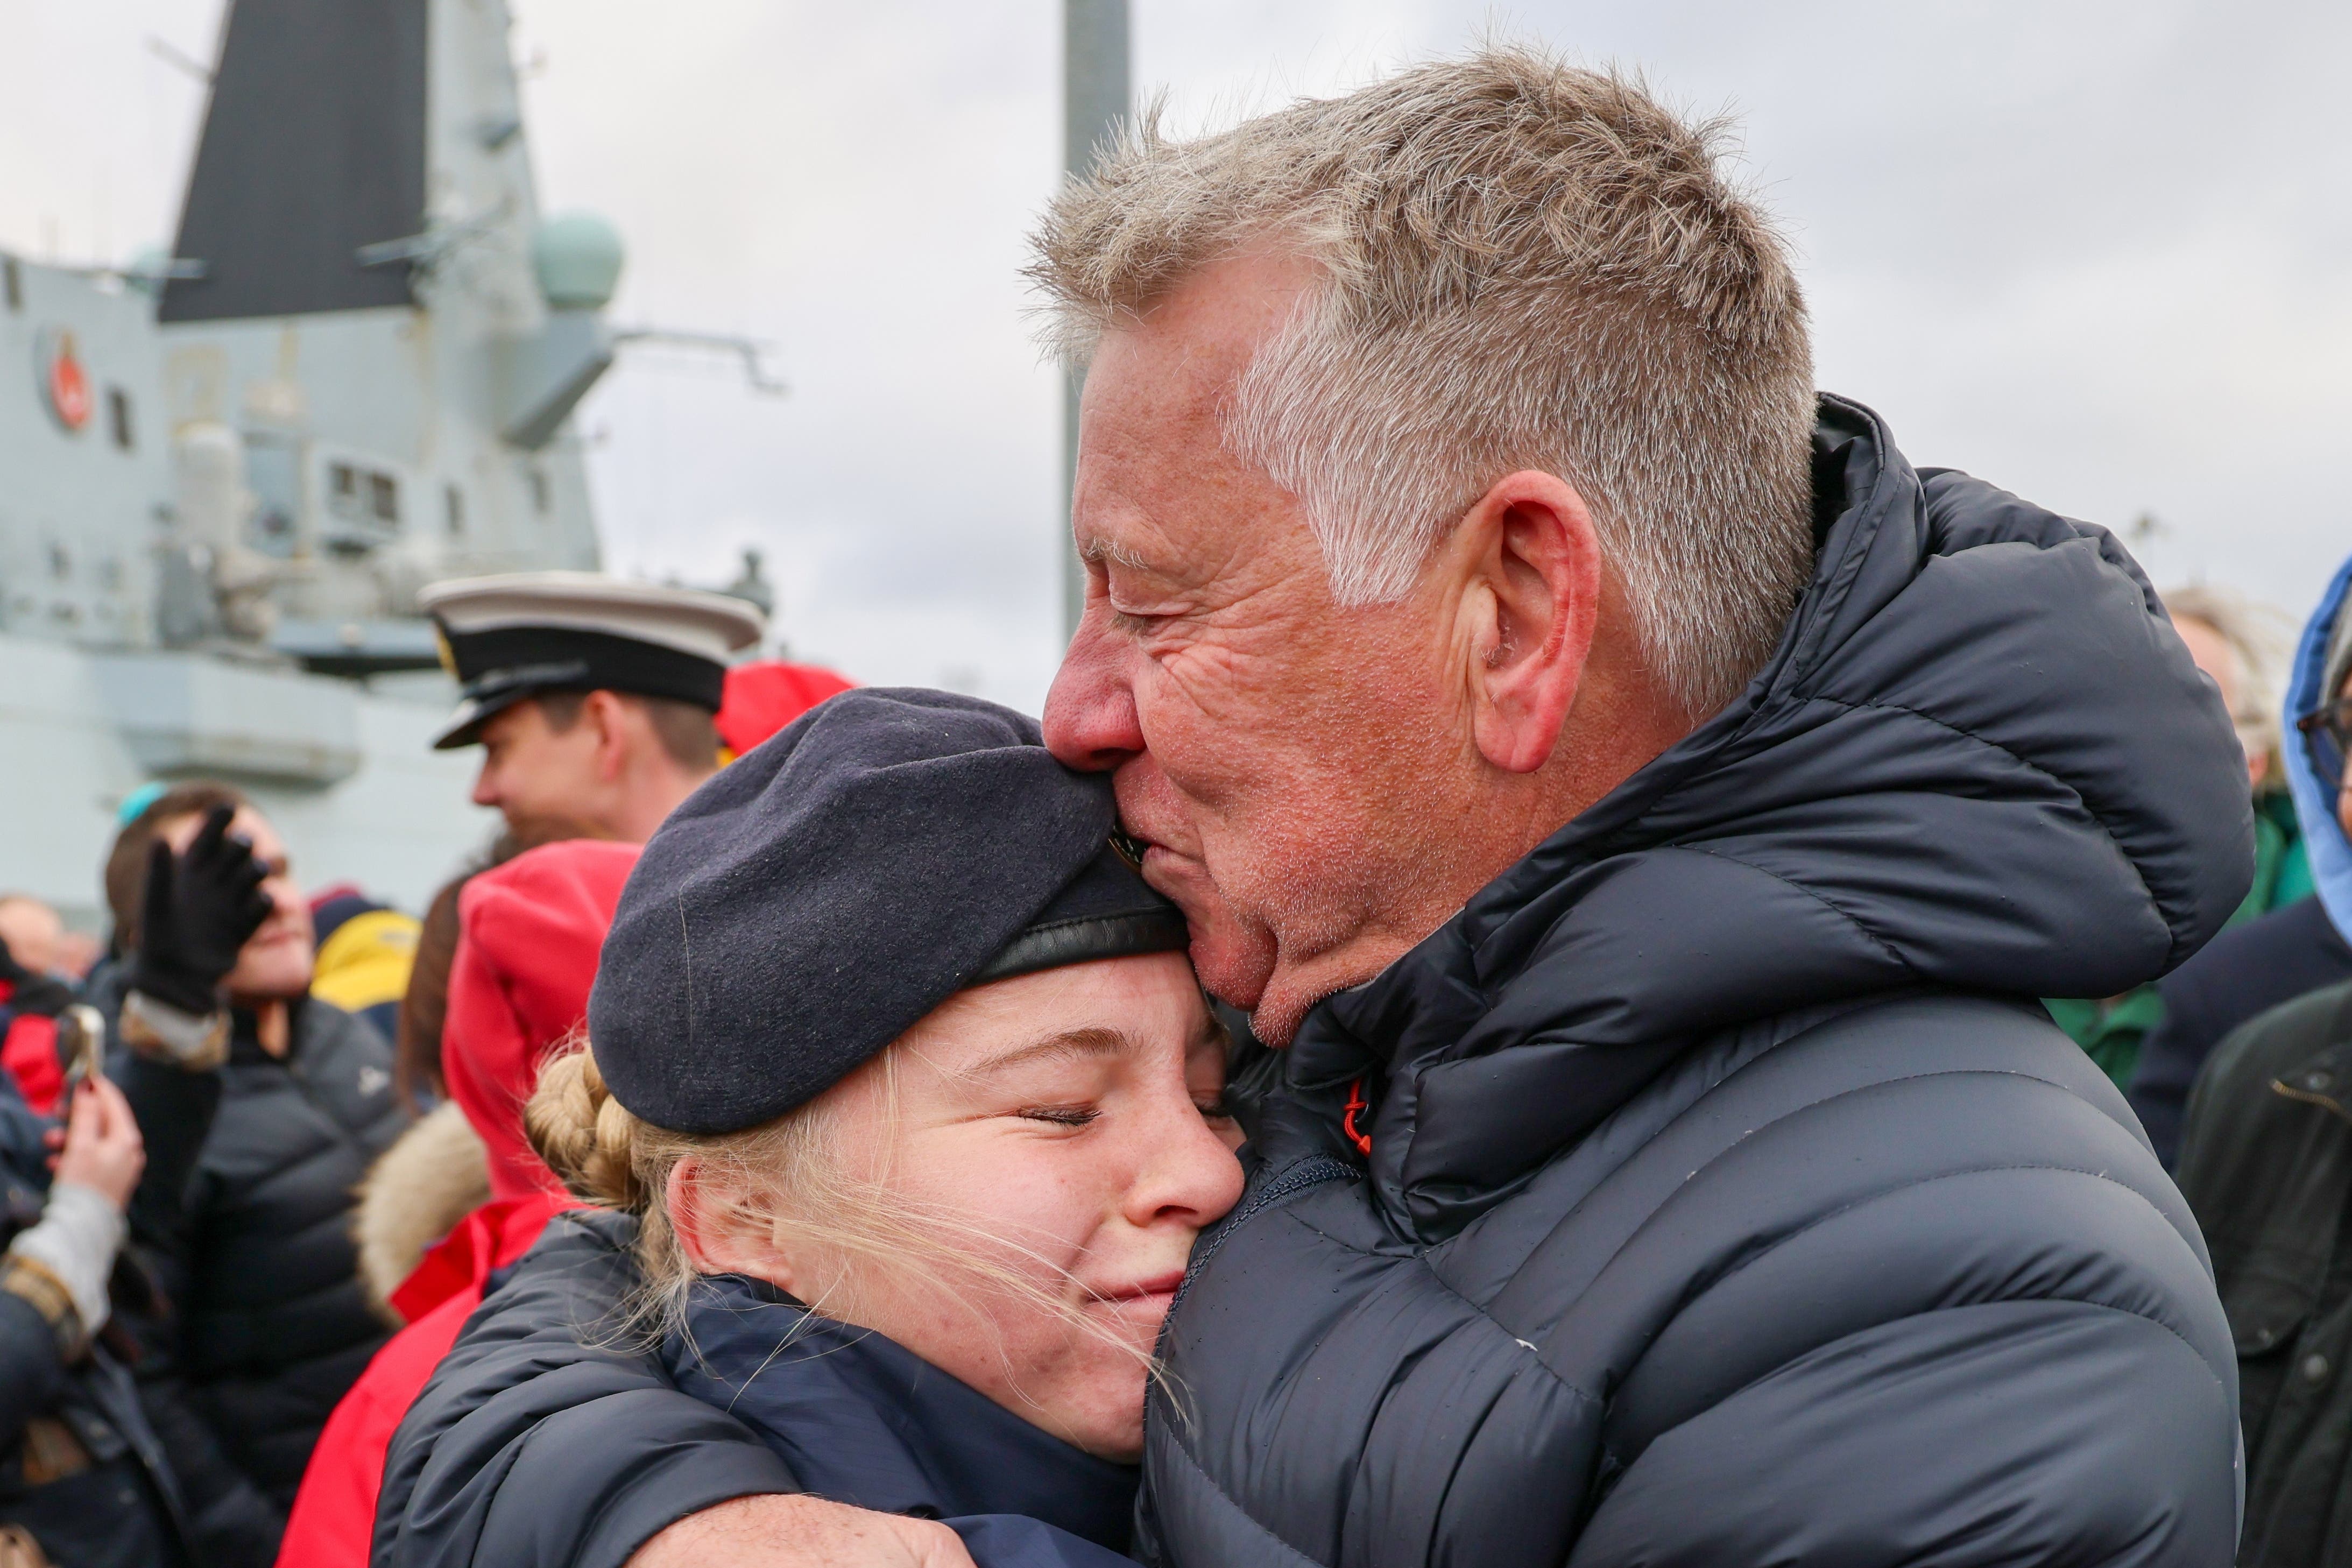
(226, 470)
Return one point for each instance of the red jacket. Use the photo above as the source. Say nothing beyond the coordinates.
(528, 932)
(766, 695)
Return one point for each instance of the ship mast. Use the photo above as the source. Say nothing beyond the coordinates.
(1095, 99)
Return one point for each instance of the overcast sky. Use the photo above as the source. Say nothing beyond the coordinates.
(2100, 254)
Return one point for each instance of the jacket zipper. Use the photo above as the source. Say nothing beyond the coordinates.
(1312, 1172)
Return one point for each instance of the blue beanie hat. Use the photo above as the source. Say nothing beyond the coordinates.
(807, 905)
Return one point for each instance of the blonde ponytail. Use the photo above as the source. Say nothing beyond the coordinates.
(604, 1154)
(587, 1138)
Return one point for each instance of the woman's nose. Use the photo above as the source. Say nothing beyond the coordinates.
(1192, 1176)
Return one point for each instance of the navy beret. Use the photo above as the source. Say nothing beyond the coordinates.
(813, 900)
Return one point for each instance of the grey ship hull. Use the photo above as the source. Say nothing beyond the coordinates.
(347, 773)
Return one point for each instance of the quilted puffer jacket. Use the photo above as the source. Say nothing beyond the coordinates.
(244, 1214)
(1725, 1202)
(1708, 1191)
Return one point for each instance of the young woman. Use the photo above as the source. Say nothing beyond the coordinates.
(907, 1075)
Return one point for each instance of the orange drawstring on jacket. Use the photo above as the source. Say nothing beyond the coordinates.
(1356, 1101)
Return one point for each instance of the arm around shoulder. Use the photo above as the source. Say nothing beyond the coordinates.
(547, 1441)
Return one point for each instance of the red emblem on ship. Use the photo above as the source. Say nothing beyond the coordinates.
(64, 387)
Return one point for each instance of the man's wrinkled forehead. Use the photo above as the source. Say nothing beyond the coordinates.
(1178, 359)
(1153, 388)
(1152, 453)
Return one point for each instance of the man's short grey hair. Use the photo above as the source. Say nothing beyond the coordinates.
(1524, 265)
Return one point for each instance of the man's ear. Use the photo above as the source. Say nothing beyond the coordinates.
(610, 718)
(1530, 565)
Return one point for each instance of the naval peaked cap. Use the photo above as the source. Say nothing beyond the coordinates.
(507, 637)
(812, 901)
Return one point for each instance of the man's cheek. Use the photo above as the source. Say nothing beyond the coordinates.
(1232, 955)
(1199, 702)
(1234, 962)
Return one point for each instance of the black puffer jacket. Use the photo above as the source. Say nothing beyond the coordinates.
(80, 1469)
(245, 1209)
(1727, 1203)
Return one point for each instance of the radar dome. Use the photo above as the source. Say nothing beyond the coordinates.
(578, 258)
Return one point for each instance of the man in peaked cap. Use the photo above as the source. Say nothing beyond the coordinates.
(591, 699)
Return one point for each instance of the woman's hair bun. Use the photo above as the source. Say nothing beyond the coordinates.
(587, 1138)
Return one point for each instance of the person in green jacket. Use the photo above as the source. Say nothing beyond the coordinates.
(2238, 644)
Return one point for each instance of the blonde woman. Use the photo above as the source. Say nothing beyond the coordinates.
(904, 1078)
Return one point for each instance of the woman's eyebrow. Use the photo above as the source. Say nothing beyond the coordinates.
(1093, 1040)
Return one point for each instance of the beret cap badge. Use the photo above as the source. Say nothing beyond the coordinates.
(1127, 848)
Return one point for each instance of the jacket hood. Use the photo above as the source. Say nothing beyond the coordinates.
(1980, 759)
(432, 1177)
(2315, 803)
(529, 934)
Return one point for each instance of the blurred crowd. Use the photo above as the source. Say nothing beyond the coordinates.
(261, 1146)
(262, 1150)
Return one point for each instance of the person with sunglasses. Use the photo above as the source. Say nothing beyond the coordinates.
(2266, 1163)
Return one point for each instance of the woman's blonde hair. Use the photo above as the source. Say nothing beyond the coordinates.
(789, 1169)
(788, 1176)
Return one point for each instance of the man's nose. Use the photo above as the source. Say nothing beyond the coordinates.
(484, 792)
(1090, 719)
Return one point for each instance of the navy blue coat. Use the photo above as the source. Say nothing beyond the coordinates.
(1728, 1199)
(243, 1215)
(860, 1419)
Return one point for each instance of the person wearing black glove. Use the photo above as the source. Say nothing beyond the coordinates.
(200, 909)
(262, 1107)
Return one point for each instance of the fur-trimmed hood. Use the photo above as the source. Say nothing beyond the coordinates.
(413, 1195)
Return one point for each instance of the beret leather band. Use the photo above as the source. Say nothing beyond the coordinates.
(1054, 943)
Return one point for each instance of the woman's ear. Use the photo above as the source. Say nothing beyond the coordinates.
(1530, 565)
(715, 1231)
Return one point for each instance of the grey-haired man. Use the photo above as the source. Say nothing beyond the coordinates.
(1632, 795)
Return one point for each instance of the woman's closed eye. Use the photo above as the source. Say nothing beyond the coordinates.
(1070, 1116)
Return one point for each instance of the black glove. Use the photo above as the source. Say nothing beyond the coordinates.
(200, 909)
(29, 993)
